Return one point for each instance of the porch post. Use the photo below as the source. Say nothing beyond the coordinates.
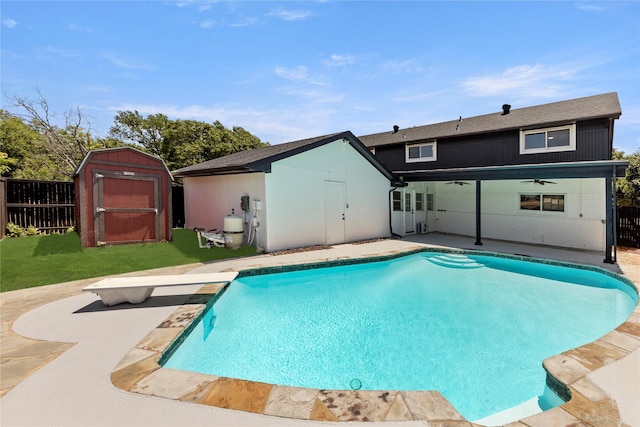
(609, 219)
(478, 227)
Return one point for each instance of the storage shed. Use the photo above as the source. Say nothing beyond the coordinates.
(319, 191)
(122, 196)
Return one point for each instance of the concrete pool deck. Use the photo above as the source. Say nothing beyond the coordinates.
(64, 372)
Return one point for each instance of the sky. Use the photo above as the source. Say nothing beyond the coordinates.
(291, 70)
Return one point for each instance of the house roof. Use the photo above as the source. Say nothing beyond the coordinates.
(556, 113)
(260, 159)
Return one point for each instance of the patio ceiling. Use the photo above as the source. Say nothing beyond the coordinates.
(595, 169)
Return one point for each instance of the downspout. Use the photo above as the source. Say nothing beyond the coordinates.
(397, 236)
(394, 188)
(614, 226)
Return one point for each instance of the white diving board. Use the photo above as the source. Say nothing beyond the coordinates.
(134, 290)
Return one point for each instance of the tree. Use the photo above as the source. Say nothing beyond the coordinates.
(628, 188)
(17, 140)
(56, 151)
(632, 190)
(181, 143)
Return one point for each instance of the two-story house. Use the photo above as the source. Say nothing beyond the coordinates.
(540, 175)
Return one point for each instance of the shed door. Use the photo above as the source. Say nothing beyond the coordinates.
(335, 202)
(127, 208)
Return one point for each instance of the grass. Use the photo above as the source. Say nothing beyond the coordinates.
(27, 262)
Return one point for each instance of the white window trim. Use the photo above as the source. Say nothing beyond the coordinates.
(541, 210)
(421, 159)
(570, 147)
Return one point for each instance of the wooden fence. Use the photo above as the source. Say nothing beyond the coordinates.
(48, 206)
(628, 226)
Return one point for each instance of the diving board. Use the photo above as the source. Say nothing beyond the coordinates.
(134, 290)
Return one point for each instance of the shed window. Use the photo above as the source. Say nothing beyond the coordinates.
(425, 152)
(562, 138)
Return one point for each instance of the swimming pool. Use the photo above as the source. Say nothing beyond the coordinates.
(474, 327)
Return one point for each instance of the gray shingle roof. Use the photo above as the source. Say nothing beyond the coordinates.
(591, 107)
(241, 161)
(260, 159)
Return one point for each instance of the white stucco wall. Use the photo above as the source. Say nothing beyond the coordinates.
(295, 191)
(209, 199)
(581, 225)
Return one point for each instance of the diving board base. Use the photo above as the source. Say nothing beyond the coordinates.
(135, 290)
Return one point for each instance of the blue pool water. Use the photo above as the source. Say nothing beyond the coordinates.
(476, 328)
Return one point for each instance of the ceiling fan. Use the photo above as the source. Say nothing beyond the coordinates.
(539, 181)
(458, 183)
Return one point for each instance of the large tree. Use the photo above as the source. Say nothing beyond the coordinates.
(43, 148)
(181, 143)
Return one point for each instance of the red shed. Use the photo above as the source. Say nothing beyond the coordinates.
(122, 196)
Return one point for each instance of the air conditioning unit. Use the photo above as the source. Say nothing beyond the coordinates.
(422, 228)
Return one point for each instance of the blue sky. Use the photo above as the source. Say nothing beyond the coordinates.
(291, 70)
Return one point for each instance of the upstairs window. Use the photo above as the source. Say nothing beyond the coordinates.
(425, 152)
(561, 138)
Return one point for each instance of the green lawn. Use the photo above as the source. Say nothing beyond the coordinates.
(27, 262)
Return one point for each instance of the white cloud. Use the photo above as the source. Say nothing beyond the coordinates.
(60, 52)
(590, 6)
(298, 73)
(530, 81)
(9, 23)
(407, 66)
(125, 63)
(73, 27)
(245, 22)
(337, 60)
(291, 15)
(207, 24)
(200, 5)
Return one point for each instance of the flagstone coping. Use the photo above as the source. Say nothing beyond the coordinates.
(586, 404)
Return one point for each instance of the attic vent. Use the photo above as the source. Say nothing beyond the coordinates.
(396, 128)
(506, 109)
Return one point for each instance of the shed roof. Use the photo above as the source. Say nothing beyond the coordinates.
(260, 159)
(89, 156)
(590, 107)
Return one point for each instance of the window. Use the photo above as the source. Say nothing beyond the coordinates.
(425, 152)
(397, 201)
(419, 201)
(561, 138)
(542, 202)
(429, 201)
(407, 202)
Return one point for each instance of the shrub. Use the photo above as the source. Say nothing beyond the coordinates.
(14, 230)
(32, 231)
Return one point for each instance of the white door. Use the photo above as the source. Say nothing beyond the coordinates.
(335, 202)
(431, 212)
(409, 211)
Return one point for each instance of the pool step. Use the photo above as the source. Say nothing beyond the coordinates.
(455, 261)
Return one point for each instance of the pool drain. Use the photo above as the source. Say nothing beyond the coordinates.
(356, 384)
